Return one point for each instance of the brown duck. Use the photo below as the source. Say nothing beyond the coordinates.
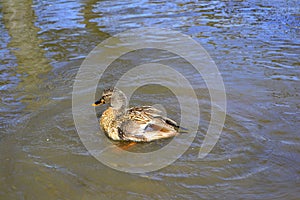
(138, 124)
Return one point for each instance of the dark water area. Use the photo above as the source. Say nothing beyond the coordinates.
(255, 45)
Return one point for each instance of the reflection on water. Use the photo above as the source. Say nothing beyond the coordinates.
(256, 47)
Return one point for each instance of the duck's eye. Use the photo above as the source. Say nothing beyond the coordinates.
(106, 96)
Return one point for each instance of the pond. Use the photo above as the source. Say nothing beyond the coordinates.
(255, 45)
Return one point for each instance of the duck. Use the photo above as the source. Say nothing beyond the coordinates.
(135, 124)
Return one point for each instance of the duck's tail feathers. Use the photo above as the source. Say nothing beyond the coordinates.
(180, 129)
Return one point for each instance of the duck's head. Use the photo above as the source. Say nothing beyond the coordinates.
(115, 97)
(105, 99)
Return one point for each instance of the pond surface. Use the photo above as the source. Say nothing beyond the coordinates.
(255, 45)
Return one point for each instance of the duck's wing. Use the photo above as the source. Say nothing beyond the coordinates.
(150, 112)
(146, 124)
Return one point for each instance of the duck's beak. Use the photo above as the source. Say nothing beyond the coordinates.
(99, 102)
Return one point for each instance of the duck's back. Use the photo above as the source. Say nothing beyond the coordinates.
(140, 124)
(146, 124)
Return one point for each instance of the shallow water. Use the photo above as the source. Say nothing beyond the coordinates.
(255, 45)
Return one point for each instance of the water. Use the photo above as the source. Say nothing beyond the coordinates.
(255, 45)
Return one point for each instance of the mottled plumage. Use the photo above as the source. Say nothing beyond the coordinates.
(139, 124)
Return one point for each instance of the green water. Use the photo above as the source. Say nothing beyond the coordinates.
(255, 45)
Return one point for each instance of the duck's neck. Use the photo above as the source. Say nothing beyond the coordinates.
(120, 111)
(119, 103)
